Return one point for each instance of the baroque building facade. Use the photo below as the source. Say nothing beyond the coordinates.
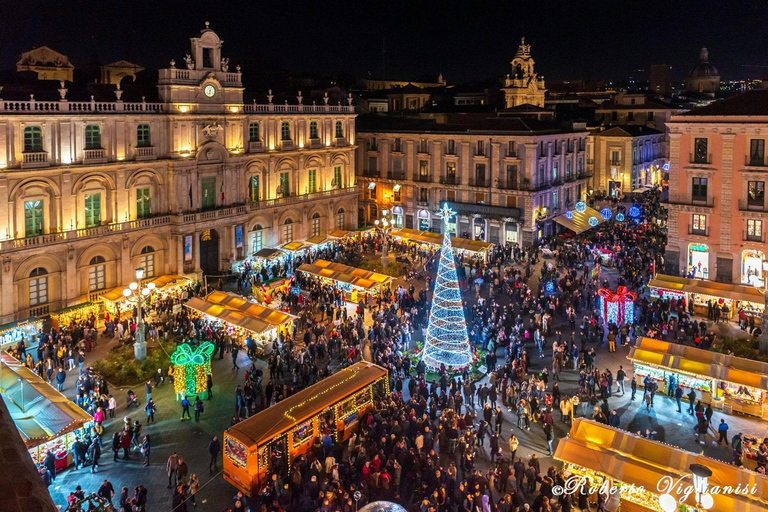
(187, 184)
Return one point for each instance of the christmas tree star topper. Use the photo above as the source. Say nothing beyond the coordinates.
(445, 213)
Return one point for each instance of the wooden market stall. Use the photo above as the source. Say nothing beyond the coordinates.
(734, 384)
(736, 296)
(45, 418)
(76, 313)
(351, 280)
(287, 429)
(243, 316)
(115, 301)
(598, 452)
(340, 234)
(473, 248)
(12, 333)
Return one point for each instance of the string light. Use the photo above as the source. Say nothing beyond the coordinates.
(191, 367)
(447, 341)
(580, 207)
(606, 213)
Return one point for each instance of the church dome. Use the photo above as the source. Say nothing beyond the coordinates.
(704, 69)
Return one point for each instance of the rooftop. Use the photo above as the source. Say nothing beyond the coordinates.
(629, 130)
(503, 125)
(750, 103)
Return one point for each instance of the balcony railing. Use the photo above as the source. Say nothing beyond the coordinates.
(368, 173)
(255, 146)
(450, 180)
(301, 198)
(698, 231)
(287, 145)
(707, 202)
(315, 143)
(396, 176)
(508, 185)
(319, 109)
(757, 161)
(422, 202)
(94, 155)
(145, 153)
(423, 178)
(695, 160)
(746, 205)
(754, 237)
(34, 159)
(340, 141)
(473, 182)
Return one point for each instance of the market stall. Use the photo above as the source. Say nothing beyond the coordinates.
(265, 293)
(701, 291)
(243, 317)
(580, 219)
(731, 383)
(12, 333)
(341, 234)
(353, 281)
(471, 248)
(286, 430)
(636, 470)
(319, 242)
(75, 314)
(45, 419)
(115, 302)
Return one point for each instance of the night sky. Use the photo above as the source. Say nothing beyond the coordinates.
(466, 41)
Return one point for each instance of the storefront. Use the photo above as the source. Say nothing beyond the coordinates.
(423, 220)
(703, 292)
(14, 332)
(752, 267)
(732, 384)
(242, 317)
(45, 419)
(74, 314)
(470, 248)
(164, 286)
(698, 261)
(336, 405)
(511, 233)
(356, 283)
(641, 473)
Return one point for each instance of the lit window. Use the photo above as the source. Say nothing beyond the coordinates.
(33, 139)
(147, 261)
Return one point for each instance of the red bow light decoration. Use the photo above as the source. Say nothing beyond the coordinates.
(621, 295)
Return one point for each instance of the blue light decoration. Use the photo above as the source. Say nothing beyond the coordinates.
(447, 339)
(638, 220)
(569, 214)
(620, 217)
(634, 211)
(606, 213)
(665, 166)
(593, 221)
(580, 207)
(549, 288)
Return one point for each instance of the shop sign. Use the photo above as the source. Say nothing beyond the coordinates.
(699, 248)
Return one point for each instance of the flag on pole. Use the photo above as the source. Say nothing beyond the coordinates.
(221, 189)
(190, 196)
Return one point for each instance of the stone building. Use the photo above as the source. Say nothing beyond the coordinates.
(182, 177)
(523, 86)
(717, 206)
(704, 78)
(626, 158)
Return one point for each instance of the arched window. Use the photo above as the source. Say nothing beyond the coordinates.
(316, 224)
(38, 287)
(33, 139)
(285, 131)
(253, 132)
(97, 274)
(339, 129)
(143, 138)
(92, 136)
(313, 134)
(340, 219)
(288, 230)
(147, 261)
(336, 183)
(257, 239)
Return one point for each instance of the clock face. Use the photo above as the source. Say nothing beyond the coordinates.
(209, 91)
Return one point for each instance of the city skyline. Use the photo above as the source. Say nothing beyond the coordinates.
(427, 40)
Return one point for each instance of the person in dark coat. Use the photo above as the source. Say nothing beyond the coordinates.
(50, 464)
(179, 503)
(94, 453)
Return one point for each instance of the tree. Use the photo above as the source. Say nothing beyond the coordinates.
(447, 341)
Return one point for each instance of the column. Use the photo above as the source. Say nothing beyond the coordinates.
(196, 250)
(7, 305)
(178, 241)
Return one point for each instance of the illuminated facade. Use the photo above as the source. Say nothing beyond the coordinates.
(523, 86)
(717, 207)
(91, 190)
(626, 158)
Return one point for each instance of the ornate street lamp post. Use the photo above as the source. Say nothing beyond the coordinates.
(384, 227)
(139, 345)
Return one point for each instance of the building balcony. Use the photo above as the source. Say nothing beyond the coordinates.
(423, 178)
(695, 160)
(745, 205)
(753, 237)
(340, 142)
(760, 162)
(34, 159)
(368, 173)
(616, 163)
(287, 145)
(422, 202)
(704, 202)
(450, 180)
(269, 203)
(698, 231)
(508, 185)
(94, 156)
(315, 143)
(145, 153)
(400, 176)
(557, 181)
(255, 146)
(473, 182)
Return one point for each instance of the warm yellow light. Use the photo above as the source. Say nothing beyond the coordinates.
(328, 143)
(271, 147)
(3, 165)
(120, 158)
(234, 110)
(183, 109)
(184, 153)
(301, 145)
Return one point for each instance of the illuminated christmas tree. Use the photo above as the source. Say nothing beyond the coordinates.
(447, 341)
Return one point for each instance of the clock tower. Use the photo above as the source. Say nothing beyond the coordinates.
(203, 83)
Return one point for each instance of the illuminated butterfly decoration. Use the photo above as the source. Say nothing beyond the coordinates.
(184, 355)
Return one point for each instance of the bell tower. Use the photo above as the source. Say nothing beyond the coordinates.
(203, 83)
(523, 85)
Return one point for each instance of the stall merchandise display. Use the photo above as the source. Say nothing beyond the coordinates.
(191, 367)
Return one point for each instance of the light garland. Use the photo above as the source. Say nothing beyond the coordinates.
(580, 207)
(447, 340)
(619, 307)
(191, 368)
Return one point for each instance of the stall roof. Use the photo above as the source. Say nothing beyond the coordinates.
(295, 246)
(317, 239)
(427, 237)
(580, 221)
(634, 459)
(700, 362)
(305, 404)
(364, 279)
(116, 294)
(73, 308)
(238, 311)
(340, 233)
(268, 254)
(704, 287)
(46, 413)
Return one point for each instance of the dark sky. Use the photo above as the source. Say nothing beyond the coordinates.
(469, 40)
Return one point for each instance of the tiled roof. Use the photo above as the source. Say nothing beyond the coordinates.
(379, 123)
(750, 103)
(629, 130)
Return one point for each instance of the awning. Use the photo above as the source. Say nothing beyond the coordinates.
(358, 277)
(436, 239)
(116, 294)
(294, 246)
(698, 362)
(340, 233)
(633, 459)
(268, 254)
(711, 288)
(39, 411)
(580, 221)
(317, 240)
(236, 310)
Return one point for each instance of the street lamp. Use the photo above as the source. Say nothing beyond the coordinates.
(139, 346)
(701, 476)
(384, 228)
(764, 317)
